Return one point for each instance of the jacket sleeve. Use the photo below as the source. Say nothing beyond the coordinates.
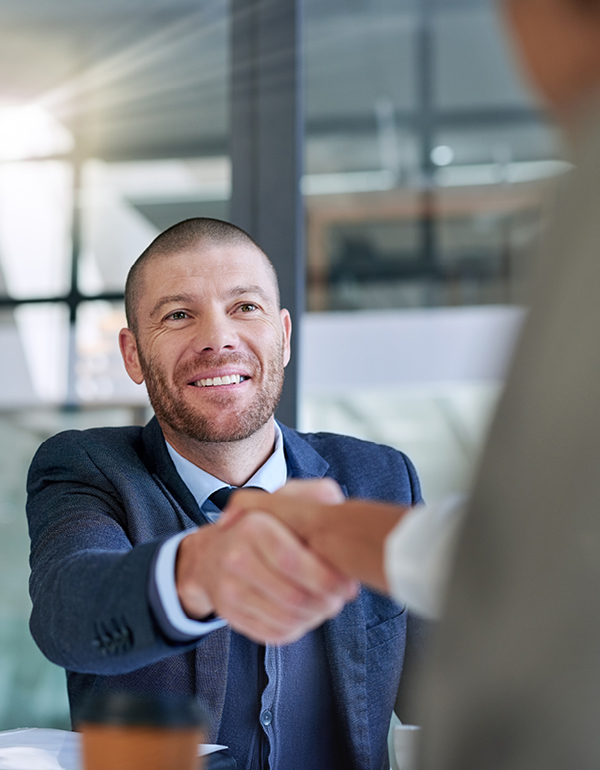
(88, 584)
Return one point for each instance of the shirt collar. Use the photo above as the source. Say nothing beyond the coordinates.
(270, 476)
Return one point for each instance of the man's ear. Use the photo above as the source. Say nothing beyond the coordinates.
(286, 323)
(131, 359)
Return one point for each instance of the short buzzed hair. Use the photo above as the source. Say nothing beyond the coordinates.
(181, 237)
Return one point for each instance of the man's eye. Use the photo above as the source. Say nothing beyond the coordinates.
(248, 307)
(178, 315)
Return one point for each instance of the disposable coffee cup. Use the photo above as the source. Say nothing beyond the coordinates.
(121, 731)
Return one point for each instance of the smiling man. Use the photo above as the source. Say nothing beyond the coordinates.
(133, 586)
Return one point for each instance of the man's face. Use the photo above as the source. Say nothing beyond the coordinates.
(212, 343)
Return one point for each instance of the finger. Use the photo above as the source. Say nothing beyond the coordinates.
(251, 561)
(247, 567)
(261, 631)
(324, 490)
(240, 503)
(300, 514)
(255, 615)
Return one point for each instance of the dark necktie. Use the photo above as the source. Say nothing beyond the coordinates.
(221, 496)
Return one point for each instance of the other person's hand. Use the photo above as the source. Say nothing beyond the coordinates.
(350, 535)
(294, 504)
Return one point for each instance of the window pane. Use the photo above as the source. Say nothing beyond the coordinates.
(36, 204)
(472, 66)
(100, 375)
(127, 204)
(426, 161)
(34, 339)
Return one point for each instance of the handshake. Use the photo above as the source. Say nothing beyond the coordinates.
(275, 566)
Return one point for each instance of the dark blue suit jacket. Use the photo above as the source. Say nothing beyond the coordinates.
(100, 504)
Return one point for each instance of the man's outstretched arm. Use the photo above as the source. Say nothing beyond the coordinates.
(90, 582)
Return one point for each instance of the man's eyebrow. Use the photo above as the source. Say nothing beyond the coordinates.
(172, 299)
(238, 291)
(186, 299)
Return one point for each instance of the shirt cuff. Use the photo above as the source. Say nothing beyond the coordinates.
(418, 555)
(175, 624)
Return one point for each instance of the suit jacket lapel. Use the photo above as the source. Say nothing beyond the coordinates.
(160, 465)
(345, 635)
(303, 461)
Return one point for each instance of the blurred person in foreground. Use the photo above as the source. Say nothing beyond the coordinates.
(513, 679)
(132, 581)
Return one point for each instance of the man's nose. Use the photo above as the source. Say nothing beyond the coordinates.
(215, 333)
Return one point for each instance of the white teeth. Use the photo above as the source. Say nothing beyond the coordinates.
(228, 379)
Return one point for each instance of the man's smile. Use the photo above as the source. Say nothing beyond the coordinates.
(227, 379)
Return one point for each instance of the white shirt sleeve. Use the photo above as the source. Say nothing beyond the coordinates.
(419, 553)
(164, 576)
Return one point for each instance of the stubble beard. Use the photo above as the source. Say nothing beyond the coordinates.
(173, 410)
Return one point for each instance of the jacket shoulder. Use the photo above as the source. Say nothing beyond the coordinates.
(98, 438)
(82, 451)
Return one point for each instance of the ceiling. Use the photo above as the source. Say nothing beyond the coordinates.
(149, 78)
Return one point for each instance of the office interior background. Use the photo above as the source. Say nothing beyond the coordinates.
(401, 189)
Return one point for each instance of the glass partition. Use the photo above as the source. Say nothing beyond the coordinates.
(427, 162)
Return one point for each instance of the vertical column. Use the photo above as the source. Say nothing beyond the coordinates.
(424, 68)
(267, 129)
(73, 299)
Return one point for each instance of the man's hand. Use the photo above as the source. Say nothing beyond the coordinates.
(259, 576)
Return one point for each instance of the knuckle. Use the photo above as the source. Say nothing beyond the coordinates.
(254, 524)
(297, 601)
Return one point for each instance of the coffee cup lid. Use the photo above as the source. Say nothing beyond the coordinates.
(119, 708)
